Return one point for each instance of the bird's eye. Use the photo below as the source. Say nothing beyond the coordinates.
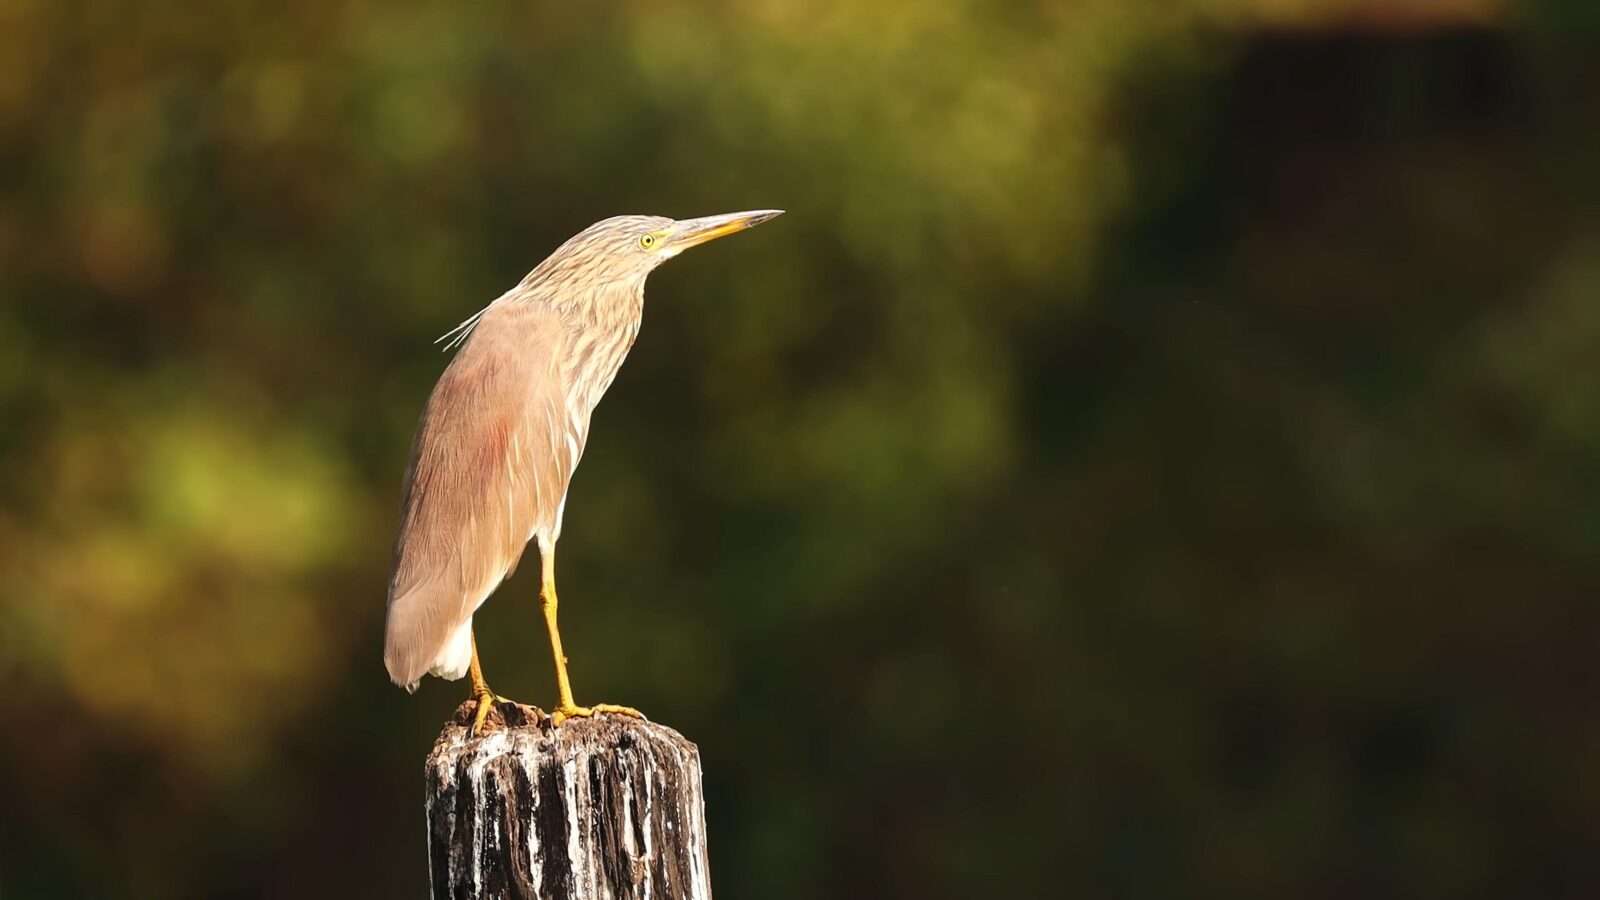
(647, 241)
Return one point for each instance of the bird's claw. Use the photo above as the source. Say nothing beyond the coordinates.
(562, 713)
(485, 701)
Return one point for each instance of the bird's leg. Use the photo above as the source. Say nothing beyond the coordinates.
(485, 698)
(565, 707)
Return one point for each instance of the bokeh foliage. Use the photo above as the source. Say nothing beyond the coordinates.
(1156, 455)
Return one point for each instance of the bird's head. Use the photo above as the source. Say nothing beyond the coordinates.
(622, 250)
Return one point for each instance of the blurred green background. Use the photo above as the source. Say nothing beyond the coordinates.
(1157, 455)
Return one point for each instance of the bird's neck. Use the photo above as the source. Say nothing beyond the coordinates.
(615, 306)
(602, 329)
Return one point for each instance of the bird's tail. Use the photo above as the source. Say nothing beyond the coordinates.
(418, 641)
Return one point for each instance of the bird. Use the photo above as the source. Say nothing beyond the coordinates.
(502, 434)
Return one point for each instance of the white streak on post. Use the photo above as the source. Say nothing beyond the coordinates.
(608, 807)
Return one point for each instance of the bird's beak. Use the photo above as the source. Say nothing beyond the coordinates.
(694, 232)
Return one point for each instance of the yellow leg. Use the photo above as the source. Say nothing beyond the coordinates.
(565, 707)
(480, 691)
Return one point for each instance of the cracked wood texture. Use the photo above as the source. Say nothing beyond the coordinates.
(606, 807)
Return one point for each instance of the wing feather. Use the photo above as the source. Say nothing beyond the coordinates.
(486, 474)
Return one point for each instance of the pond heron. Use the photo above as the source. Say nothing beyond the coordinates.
(501, 435)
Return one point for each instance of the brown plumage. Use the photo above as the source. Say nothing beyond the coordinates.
(503, 432)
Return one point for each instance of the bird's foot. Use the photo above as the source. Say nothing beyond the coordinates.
(486, 701)
(562, 713)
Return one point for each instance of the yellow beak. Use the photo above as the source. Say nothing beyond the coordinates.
(694, 232)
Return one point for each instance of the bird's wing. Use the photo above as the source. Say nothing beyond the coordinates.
(489, 468)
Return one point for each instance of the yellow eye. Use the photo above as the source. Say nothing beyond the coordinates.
(647, 241)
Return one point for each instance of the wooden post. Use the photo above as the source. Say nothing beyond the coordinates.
(605, 807)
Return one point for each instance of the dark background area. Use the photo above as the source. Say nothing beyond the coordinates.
(1156, 455)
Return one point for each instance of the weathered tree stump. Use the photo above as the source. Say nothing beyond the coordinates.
(606, 807)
